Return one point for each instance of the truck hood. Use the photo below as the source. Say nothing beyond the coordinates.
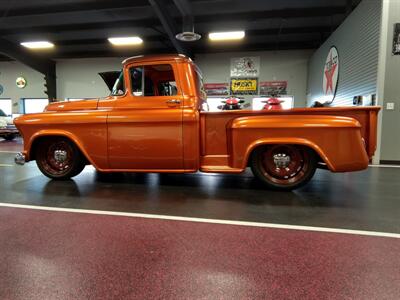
(109, 78)
(73, 105)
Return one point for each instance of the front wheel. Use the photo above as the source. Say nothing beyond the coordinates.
(284, 167)
(59, 158)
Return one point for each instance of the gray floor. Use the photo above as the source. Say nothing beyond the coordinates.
(368, 200)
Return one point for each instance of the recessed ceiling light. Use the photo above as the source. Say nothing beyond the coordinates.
(226, 36)
(38, 45)
(125, 41)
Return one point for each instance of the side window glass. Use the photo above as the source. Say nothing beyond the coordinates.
(167, 88)
(119, 88)
(136, 76)
(153, 80)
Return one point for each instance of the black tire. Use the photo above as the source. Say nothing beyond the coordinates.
(9, 137)
(55, 168)
(292, 174)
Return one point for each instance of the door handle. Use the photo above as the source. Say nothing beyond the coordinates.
(173, 101)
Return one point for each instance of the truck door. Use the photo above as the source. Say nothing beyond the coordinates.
(145, 125)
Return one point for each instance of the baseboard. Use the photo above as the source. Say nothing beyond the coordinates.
(390, 162)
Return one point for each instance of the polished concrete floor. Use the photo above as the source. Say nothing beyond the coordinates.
(368, 200)
(128, 256)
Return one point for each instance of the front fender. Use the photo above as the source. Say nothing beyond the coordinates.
(337, 140)
(54, 132)
(87, 129)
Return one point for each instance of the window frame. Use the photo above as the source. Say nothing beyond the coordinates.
(128, 82)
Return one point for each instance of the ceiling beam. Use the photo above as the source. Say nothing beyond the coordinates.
(249, 16)
(168, 24)
(185, 9)
(157, 38)
(57, 7)
(295, 45)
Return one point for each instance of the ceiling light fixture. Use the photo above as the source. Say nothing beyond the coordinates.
(125, 41)
(38, 45)
(226, 36)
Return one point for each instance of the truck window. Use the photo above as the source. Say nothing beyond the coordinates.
(167, 88)
(154, 80)
(119, 87)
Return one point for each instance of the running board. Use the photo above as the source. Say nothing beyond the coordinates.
(220, 169)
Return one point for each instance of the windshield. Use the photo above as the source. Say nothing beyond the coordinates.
(2, 114)
(119, 87)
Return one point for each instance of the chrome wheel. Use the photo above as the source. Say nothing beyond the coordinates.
(58, 158)
(284, 166)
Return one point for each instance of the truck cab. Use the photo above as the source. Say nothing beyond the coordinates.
(153, 122)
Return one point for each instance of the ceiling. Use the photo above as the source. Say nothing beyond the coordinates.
(80, 28)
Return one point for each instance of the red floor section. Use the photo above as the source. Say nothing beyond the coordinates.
(57, 255)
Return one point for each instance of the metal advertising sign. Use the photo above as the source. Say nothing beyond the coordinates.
(244, 86)
(245, 66)
(273, 88)
(217, 89)
(331, 74)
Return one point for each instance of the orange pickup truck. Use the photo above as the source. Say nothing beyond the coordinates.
(153, 121)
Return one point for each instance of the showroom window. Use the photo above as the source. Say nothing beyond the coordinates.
(154, 80)
(34, 105)
(258, 104)
(6, 106)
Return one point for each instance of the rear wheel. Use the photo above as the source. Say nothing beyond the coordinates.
(59, 158)
(284, 167)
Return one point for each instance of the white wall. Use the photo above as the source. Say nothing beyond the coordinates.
(78, 78)
(357, 42)
(9, 72)
(390, 144)
(274, 65)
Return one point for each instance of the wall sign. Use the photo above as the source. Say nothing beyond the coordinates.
(331, 74)
(244, 86)
(245, 66)
(1, 89)
(217, 89)
(396, 39)
(273, 88)
(20, 82)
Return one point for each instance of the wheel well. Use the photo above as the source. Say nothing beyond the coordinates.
(319, 159)
(39, 139)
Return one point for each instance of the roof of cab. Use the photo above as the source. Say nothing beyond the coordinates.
(147, 58)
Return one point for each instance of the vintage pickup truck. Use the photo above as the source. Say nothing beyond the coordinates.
(153, 122)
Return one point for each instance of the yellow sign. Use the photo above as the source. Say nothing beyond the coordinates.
(244, 86)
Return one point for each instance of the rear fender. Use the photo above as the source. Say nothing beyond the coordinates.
(337, 140)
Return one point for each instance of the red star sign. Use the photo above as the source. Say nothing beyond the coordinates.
(329, 75)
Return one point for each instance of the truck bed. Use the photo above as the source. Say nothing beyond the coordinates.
(214, 125)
